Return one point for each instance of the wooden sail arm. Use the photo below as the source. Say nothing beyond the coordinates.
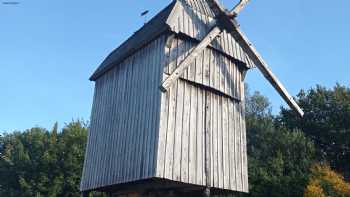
(265, 69)
(226, 22)
(239, 7)
(232, 26)
(219, 10)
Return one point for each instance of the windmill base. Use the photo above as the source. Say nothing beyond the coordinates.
(160, 188)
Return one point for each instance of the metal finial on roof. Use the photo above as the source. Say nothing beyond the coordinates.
(144, 14)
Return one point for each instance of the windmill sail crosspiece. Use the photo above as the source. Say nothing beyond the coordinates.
(225, 21)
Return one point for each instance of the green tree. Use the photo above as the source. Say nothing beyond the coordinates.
(38, 162)
(279, 158)
(326, 122)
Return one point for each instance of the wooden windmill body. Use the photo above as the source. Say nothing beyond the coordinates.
(168, 111)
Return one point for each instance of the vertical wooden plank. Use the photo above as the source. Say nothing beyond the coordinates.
(170, 144)
(228, 78)
(192, 67)
(237, 136)
(122, 74)
(179, 116)
(205, 160)
(132, 110)
(100, 136)
(142, 110)
(149, 131)
(229, 43)
(87, 178)
(232, 145)
(243, 140)
(214, 119)
(185, 133)
(97, 150)
(199, 137)
(206, 67)
(239, 149)
(231, 78)
(91, 151)
(147, 64)
(118, 98)
(126, 124)
(199, 68)
(133, 116)
(220, 141)
(114, 116)
(212, 68)
(178, 131)
(226, 147)
(156, 76)
(115, 85)
(149, 154)
(207, 139)
(191, 22)
(164, 115)
(184, 22)
(193, 151)
(169, 161)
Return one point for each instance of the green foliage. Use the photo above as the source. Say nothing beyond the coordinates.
(279, 158)
(326, 122)
(38, 162)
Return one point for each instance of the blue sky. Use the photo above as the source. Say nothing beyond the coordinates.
(48, 50)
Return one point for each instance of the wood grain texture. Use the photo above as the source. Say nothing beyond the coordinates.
(195, 22)
(190, 109)
(122, 142)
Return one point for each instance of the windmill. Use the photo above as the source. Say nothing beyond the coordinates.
(168, 115)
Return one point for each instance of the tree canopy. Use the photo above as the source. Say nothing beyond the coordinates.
(279, 158)
(326, 122)
(39, 162)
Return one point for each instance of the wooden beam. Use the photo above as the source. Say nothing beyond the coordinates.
(239, 7)
(253, 54)
(215, 31)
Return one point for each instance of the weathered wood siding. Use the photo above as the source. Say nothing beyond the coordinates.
(218, 80)
(137, 132)
(125, 120)
(193, 18)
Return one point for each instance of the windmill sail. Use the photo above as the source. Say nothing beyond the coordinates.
(224, 21)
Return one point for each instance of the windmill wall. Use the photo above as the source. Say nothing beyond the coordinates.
(209, 96)
(125, 120)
